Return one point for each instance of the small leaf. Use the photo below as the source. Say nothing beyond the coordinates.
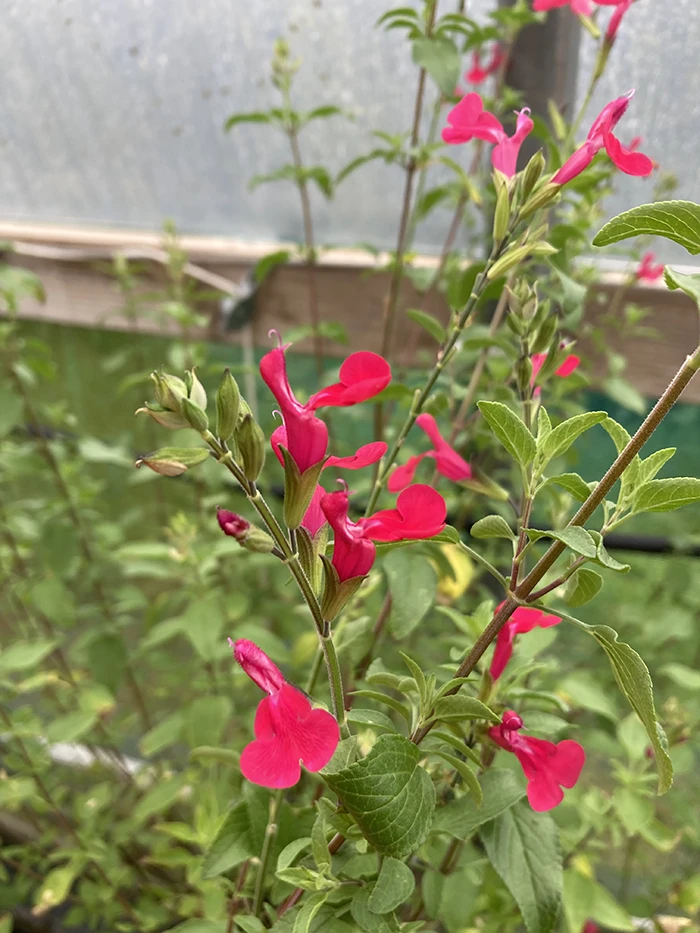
(232, 844)
(510, 431)
(413, 586)
(458, 707)
(389, 795)
(667, 495)
(288, 855)
(319, 845)
(686, 677)
(461, 818)
(237, 118)
(650, 467)
(161, 736)
(523, 847)
(265, 265)
(71, 726)
(563, 436)
(690, 284)
(582, 587)
(492, 526)
(25, 654)
(371, 717)
(394, 886)
(309, 909)
(428, 322)
(466, 773)
(367, 921)
(441, 58)
(676, 220)
(574, 484)
(159, 799)
(604, 559)
(574, 537)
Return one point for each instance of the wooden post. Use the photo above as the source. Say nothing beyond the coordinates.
(544, 67)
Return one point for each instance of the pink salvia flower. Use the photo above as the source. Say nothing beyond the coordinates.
(314, 519)
(288, 730)
(362, 376)
(649, 270)
(615, 21)
(447, 461)
(478, 73)
(468, 120)
(601, 137)
(353, 551)
(233, 525)
(522, 621)
(579, 7)
(570, 365)
(547, 767)
(420, 513)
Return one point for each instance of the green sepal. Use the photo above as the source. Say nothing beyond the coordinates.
(309, 548)
(299, 488)
(336, 595)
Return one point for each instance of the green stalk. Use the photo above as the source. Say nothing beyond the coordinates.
(270, 835)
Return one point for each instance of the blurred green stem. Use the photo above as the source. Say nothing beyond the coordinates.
(270, 836)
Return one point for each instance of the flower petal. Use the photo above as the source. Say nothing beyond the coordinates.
(363, 456)
(314, 519)
(566, 764)
(632, 163)
(544, 793)
(362, 376)
(403, 476)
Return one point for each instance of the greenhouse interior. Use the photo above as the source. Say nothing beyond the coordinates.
(349, 494)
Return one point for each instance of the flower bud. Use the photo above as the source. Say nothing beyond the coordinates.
(532, 174)
(251, 444)
(545, 196)
(169, 391)
(509, 260)
(501, 216)
(172, 461)
(195, 389)
(249, 536)
(163, 417)
(195, 416)
(228, 405)
(523, 371)
(545, 335)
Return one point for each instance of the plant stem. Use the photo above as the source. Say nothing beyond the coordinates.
(392, 299)
(309, 241)
(525, 588)
(384, 614)
(335, 682)
(443, 354)
(270, 835)
(315, 671)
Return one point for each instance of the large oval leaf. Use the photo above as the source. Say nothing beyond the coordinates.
(676, 220)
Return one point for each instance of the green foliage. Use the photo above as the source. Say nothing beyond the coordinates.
(676, 220)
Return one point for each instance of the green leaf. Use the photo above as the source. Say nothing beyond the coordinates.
(364, 918)
(466, 773)
(582, 587)
(161, 736)
(574, 484)
(690, 284)
(428, 322)
(442, 60)
(232, 844)
(25, 654)
(675, 220)
(634, 811)
(237, 118)
(413, 586)
(309, 908)
(523, 847)
(378, 697)
(288, 855)
(371, 717)
(206, 719)
(621, 438)
(458, 707)
(158, 799)
(197, 925)
(394, 886)
(322, 113)
(574, 537)
(71, 726)
(650, 467)
(510, 431)
(265, 265)
(56, 886)
(319, 845)
(249, 924)
(634, 680)
(604, 559)
(563, 436)
(389, 795)
(667, 495)
(492, 526)
(585, 899)
(684, 676)
(461, 818)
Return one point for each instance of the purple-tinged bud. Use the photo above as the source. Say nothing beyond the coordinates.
(235, 526)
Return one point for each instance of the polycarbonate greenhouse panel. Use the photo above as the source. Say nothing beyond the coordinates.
(112, 112)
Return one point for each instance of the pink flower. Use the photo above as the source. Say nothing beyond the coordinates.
(648, 270)
(547, 767)
(570, 365)
(468, 120)
(601, 137)
(522, 621)
(420, 513)
(287, 728)
(478, 72)
(615, 20)
(362, 376)
(353, 551)
(233, 525)
(314, 519)
(579, 7)
(447, 461)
